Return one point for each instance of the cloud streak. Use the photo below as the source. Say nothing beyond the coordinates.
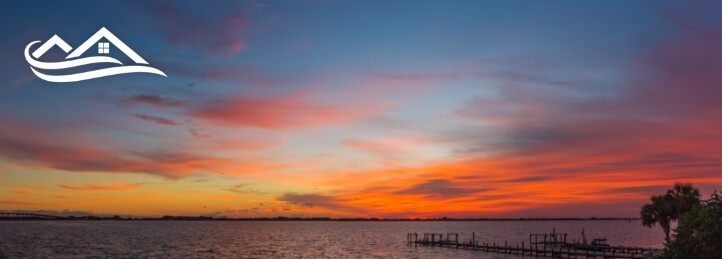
(156, 119)
(117, 187)
(24, 144)
(218, 32)
(152, 100)
(292, 111)
(440, 189)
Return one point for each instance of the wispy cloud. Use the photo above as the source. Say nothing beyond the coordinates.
(219, 32)
(440, 189)
(320, 202)
(546, 151)
(24, 144)
(151, 99)
(156, 119)
(280, 112)
(244, 189)
(116, 187)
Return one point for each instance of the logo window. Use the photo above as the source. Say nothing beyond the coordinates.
(103, 48)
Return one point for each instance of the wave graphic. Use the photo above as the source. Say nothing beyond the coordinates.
(84, 61)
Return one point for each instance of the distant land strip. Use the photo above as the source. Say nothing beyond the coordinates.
(10, 216)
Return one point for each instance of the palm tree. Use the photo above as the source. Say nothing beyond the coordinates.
(658, 212)
(684, 197)
(670, 206)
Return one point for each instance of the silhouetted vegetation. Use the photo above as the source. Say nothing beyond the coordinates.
(699, 234)
(670, 206)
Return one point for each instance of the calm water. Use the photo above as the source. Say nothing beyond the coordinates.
(239, 239)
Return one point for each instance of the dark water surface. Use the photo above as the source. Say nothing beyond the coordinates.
(298, 239)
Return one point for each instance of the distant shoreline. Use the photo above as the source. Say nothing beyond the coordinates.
(205, 218)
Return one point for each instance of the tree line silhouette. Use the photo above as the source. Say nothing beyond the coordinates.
(699, 229)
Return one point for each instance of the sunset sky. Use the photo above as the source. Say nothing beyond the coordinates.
(365, 108)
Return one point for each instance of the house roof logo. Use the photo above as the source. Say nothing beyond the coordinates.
(72, 59)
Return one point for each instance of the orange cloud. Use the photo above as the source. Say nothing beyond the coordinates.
(502, 185)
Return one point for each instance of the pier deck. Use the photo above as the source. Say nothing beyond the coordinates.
(554, 248)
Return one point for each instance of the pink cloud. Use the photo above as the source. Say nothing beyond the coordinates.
(283, 112)
(27, 145)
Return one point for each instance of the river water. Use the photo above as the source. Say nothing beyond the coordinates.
(289, 239)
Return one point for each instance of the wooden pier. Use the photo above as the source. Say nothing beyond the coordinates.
(552, 245)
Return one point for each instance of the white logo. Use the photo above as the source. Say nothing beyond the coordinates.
(103, 48)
